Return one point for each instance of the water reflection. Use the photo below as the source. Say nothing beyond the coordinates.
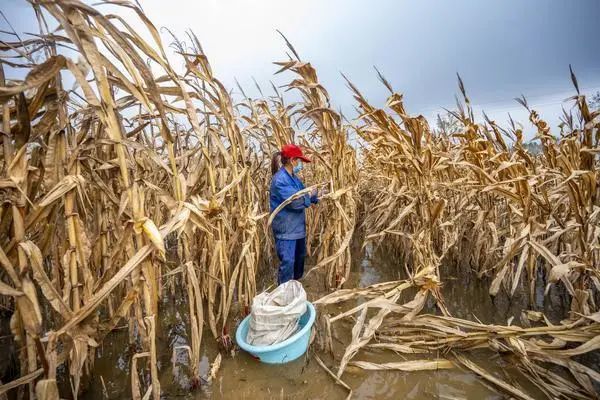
(243, 377)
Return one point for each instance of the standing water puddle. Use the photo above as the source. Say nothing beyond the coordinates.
(243, 377)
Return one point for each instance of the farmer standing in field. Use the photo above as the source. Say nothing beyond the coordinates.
(289, 225)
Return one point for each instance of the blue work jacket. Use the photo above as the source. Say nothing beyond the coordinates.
(290, 222)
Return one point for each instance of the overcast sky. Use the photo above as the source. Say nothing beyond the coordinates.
(501, 48)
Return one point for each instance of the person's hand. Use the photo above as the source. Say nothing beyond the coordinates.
(324, 191)
(314, 192)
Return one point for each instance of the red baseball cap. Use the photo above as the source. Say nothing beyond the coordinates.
(293, 151)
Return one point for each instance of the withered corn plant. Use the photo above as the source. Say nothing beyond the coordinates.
(95, 177)
(475, 198)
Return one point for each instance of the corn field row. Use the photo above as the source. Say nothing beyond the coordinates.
(475, 198)
(114, 164)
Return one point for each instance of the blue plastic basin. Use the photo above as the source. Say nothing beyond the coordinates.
(282, 352)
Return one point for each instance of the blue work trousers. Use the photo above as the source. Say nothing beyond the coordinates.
(291, 255)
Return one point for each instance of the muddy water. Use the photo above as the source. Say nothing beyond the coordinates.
(242, 377)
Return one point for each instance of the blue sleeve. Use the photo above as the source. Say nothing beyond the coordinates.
(284, 190)
(311, 199)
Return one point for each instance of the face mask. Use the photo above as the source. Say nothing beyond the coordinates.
(298, 167)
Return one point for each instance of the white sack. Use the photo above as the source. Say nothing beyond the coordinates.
(274, 316)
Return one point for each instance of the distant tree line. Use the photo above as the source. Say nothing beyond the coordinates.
(595, 101)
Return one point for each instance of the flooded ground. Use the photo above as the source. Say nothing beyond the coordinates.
(243, 377)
